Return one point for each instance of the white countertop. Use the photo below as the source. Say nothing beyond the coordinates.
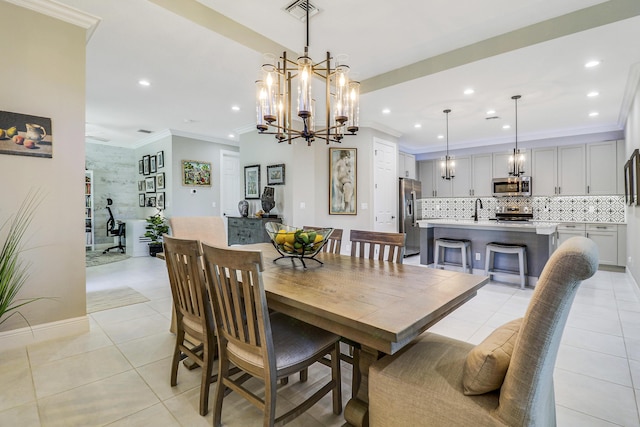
(538, 227)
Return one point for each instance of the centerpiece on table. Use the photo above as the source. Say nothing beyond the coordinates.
(292, 242)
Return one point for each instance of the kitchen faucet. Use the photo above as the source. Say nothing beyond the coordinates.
(475, 213)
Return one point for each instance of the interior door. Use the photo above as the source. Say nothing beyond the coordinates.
(230, 193)
(385, 187)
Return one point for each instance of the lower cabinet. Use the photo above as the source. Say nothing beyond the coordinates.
(245, 231)
(611, 252)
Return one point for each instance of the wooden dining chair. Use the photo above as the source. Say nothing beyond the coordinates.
(334, 240)
(377, 245)
(192, 309)
(265, 345)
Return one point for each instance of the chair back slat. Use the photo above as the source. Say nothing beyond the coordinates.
(334, 240)
(377, 245)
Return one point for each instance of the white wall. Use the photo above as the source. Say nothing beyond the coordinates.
(43, 74)
(632, 142)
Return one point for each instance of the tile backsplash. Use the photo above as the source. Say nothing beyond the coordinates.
(560, 209)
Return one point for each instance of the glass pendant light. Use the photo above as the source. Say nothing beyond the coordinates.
(447, 164)
(516, 160)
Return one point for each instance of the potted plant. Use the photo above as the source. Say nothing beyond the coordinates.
(156, 227)
(13, 269)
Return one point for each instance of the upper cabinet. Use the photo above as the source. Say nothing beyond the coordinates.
(472, 178)
(571, 170)
(602, 168)
(481, 175)
(501, 163)
(544, 171)
(406, 165)
(426, 177)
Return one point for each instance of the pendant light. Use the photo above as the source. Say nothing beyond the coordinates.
(516, 160)
(447, 164)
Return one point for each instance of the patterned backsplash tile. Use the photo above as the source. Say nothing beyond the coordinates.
(560, 209)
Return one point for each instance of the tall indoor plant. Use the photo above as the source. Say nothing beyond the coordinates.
(13, 269)
(156, 227)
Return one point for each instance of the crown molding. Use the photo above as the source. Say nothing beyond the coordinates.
(630, 90)
(156, 136)
(62, 12)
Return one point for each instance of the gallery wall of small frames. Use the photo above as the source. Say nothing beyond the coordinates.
(152, 181)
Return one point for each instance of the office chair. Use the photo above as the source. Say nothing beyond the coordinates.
(115, 228)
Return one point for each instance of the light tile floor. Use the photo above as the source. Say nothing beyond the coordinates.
(118, 373)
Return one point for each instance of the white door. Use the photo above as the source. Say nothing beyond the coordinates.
(230, 193)
(385, 186)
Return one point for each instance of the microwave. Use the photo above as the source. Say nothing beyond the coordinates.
(511, 186)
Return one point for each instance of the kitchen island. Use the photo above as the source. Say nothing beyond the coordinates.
(540, 238)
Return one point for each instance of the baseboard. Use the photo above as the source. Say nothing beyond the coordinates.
(47, 331)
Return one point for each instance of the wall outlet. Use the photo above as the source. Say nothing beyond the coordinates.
(213, 204)
(364, 206)
(477, 256)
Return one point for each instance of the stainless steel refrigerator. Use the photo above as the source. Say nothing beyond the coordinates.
(410, 192)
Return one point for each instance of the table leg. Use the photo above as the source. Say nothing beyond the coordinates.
(356, 413)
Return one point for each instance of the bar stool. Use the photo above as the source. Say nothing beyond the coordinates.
(507, 248)
(465, 250)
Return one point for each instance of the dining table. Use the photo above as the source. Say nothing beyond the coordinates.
(380, 305)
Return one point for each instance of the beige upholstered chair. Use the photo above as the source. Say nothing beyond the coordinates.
(390, 246)
(425, 383)
(268, 346)
(334, 241)
(206, 229)
(192, 309)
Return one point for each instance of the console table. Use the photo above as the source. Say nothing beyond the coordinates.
(248, 230)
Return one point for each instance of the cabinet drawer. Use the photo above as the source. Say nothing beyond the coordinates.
(602, 227)
(571, 227)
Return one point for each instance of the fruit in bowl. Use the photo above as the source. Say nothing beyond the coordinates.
(296, 241)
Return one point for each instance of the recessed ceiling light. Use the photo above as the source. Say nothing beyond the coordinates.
(231, 135)
(594, 114)
(506, 126)
(593, 94)
(417, 126)
(592, 64)
(235, 108)
(468, 91)
(144, 83)
(440, 136)
(491, 112)
(386, 111)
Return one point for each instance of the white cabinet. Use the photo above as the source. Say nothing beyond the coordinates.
(571, 170)
(622, 245)
(461, 185)
(406, 165)
(620, 161)
(89, 226)
(481, 174)
(602, 171)
(567, 231)
(544, 171)
(501, 163)
(606, 237)
(473, 177)
(426, 177)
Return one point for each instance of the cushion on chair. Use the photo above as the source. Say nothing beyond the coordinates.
(487, 363)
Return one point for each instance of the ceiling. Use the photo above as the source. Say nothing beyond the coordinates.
(414, 58)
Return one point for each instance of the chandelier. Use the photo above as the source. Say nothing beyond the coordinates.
(275, 105)
(447, 164)
(516, 160)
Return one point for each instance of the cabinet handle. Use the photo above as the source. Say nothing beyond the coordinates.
(588, 188)
(570, 226)
(601, 227)
(558, 189)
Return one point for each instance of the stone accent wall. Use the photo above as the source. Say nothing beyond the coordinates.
(608, 209)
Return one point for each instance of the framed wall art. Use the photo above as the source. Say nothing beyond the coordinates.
(160, 200)
(140, 167)
(151, 201)
(146, 160)
(153, 168)
(343, 181)
(252, 182)
(160, 181)
(141, 186)
(196, 173)
(25, 135)
(160, 159)
(628, 182)
(275, 174)
(150, 184)
(635, 177)
(141, 200)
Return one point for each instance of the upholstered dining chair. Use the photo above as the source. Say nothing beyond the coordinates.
(192, 311)
(207, 229)
(334, 240)
(265, 345)
(507, 380)
(388, 246)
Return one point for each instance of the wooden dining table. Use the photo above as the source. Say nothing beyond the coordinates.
(382, 306)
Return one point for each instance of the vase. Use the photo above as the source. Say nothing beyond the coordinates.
(243, 208)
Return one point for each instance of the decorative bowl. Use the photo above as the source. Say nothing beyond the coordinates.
(296, 242)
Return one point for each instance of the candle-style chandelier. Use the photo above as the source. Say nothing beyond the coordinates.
(516, 160)
(447, 164)
(274, 104)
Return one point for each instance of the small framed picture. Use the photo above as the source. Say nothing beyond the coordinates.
(146, 165)
(153, 168)
(150, 184)
(151, 201)
(160, 200)
(252, 182)
(160, 181)
(160, 159)
(141, 186)
(141, 200)
(140, 167)
(196, 173)
(275, 174)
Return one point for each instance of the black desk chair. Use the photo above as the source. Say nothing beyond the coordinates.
(115, 228)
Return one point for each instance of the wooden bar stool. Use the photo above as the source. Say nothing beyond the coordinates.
(465, 250)
(507, 248)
